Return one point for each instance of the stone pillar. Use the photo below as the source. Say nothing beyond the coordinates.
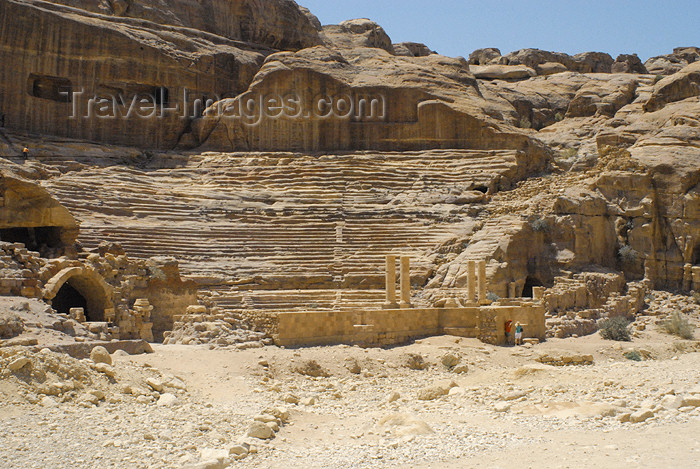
(512, 290)
(538, 293)
(390, 283)
(687, 277)
(482, 282)
(650, 272)
(471, 281)
(696, 278)
(405, 282)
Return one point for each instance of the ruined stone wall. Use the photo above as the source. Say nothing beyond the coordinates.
(390, 327)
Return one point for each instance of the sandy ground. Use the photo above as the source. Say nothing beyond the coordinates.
(507, 410)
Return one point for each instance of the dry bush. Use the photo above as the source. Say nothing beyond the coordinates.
(679, 325)
(615, 328)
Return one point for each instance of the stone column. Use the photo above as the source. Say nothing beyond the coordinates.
(538, 293)
(512, 288)
(687, 277)
(405, 282)
(482, 282)
(390, 283)
(471, 281)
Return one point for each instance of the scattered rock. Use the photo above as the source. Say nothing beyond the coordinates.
(311, 368)
(18, 363)
(100, 354)
(155, 384)
(435, 391)
(449, 360)
(502, 406)
(260, 430)
(641, 415)
(403, 425)
(413, 361)
(166, 400)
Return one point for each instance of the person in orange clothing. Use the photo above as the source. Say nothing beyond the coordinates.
(25, 152)
(508, 328)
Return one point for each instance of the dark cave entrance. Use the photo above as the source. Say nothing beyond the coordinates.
(33, 238)
(68, 297)
(696, 255)
(530, 282)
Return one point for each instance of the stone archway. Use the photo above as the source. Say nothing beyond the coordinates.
(80, 287)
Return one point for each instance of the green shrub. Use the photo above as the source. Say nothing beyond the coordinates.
(679, 325)
(633, 355)
(539, 225)
(559, 116)
(627, 254)
(615, 328)
(524, 123)
(491, 296)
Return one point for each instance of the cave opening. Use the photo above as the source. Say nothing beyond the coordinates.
(33, 238)
(530, 282)
(51, 88)
(68, 297)
(696, 255)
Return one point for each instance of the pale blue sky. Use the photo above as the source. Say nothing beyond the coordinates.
(457, 27)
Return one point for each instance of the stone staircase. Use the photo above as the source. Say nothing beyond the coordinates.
(280, 231)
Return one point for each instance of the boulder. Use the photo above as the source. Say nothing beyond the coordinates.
(100, 354)
(592, 62)
(449, 360)
(412, 49)
(626, 63)
(413, 361)
(487, 56)
(260, 430)
(360, 32)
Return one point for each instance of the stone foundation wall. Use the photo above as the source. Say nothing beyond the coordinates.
(390, 327)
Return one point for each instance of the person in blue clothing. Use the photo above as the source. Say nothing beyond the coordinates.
(518, 334)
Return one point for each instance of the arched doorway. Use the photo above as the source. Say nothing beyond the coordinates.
(78, 287)
(67, 298)
(530, 282)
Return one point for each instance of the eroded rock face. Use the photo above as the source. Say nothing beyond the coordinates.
(682, 85)
(412, 49)
(628, 63)
(169, 53)
(672, 63)
(357, 33)
(30, 215)
(409, 104)
(278, 24)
